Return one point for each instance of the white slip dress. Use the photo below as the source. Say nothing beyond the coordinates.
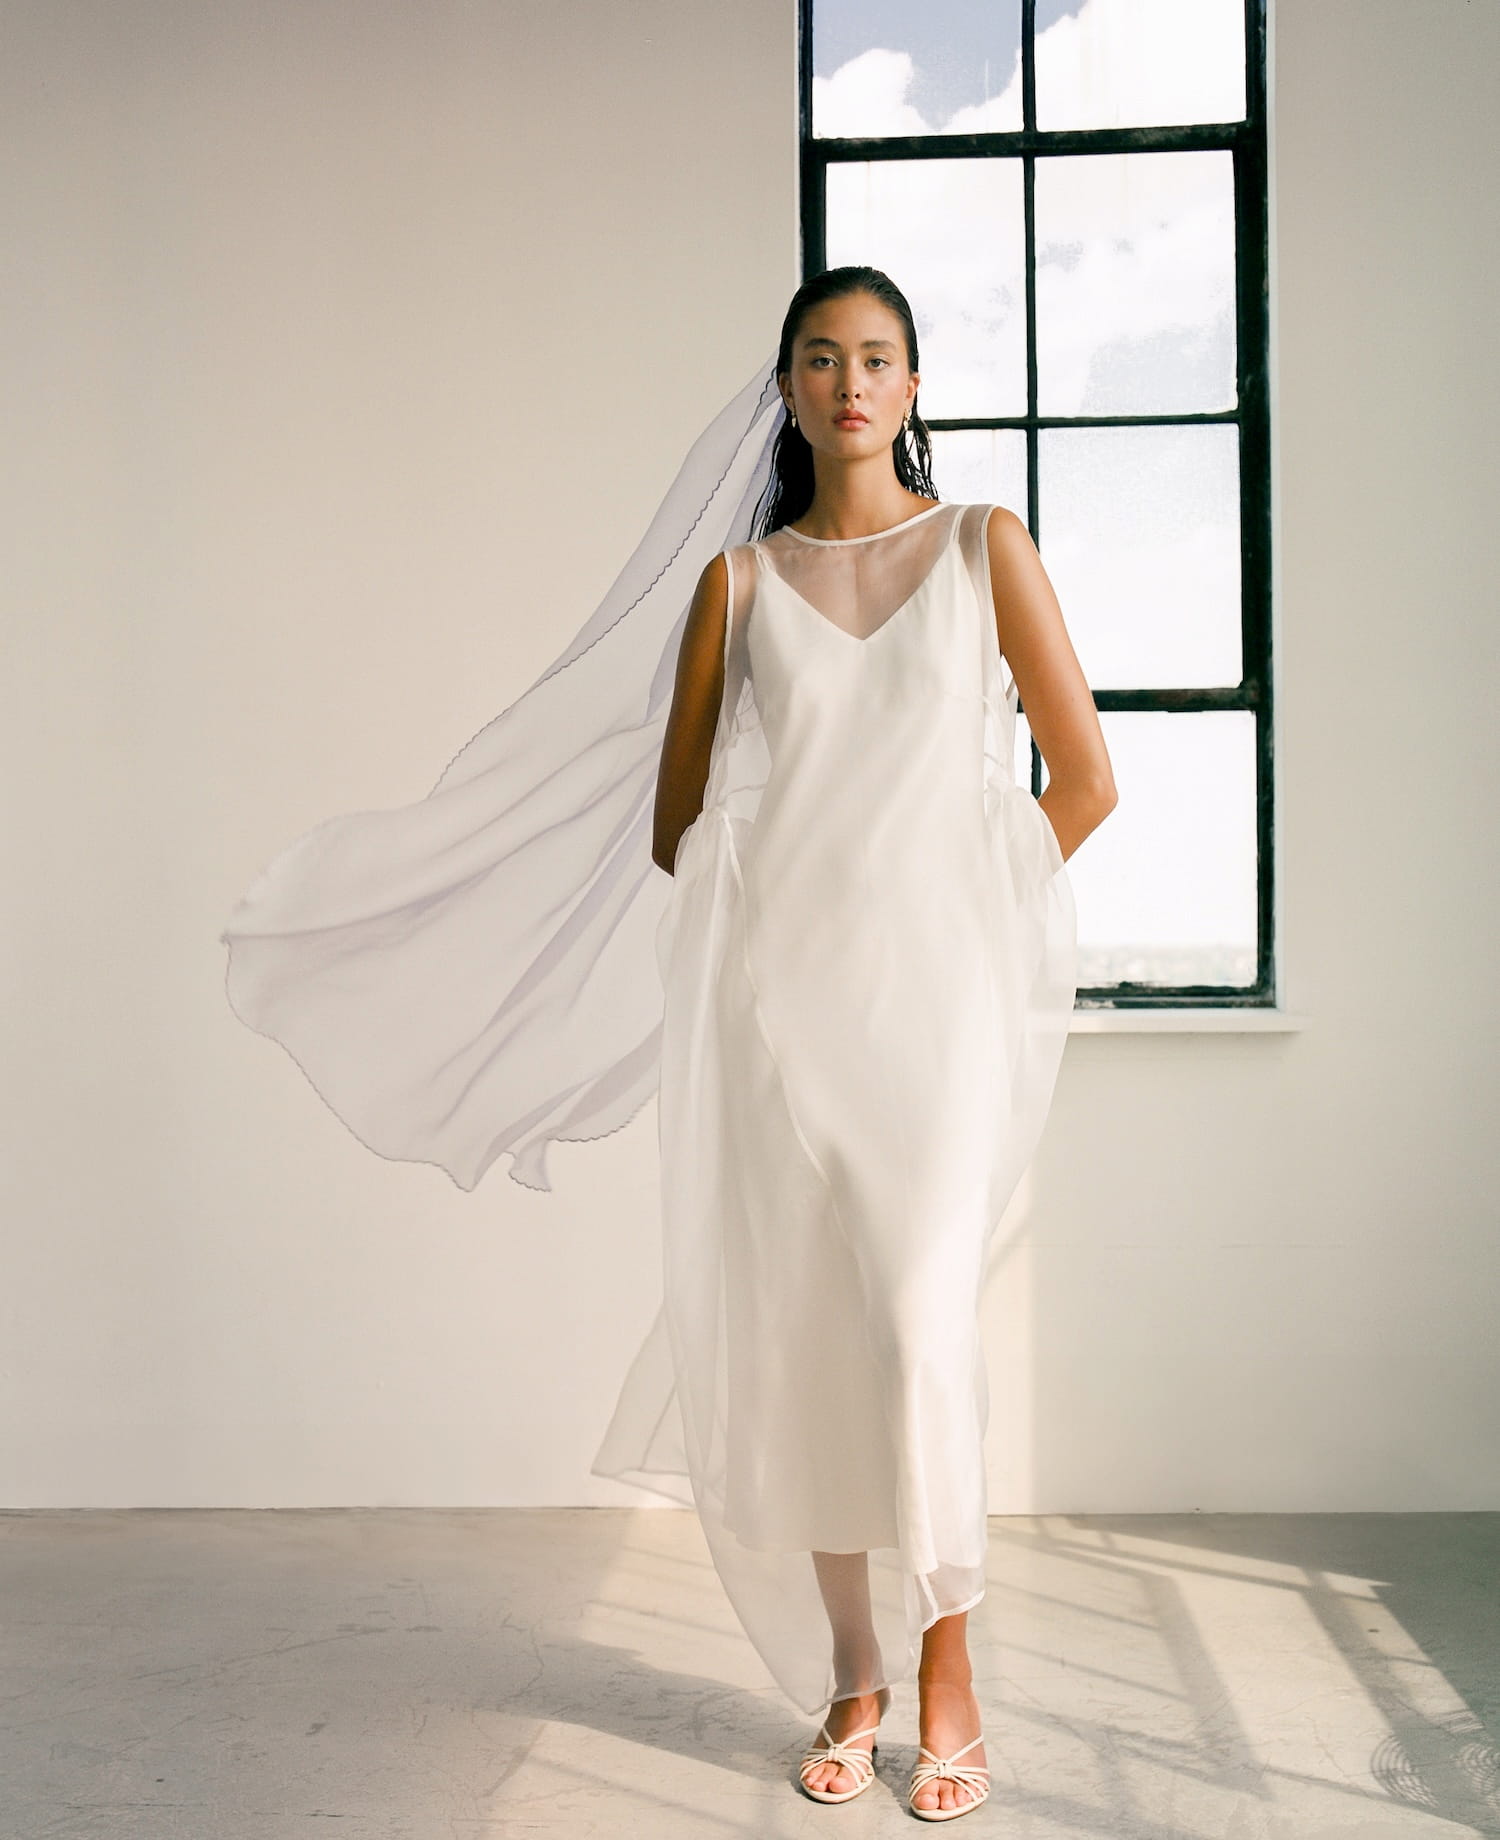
(867, 957)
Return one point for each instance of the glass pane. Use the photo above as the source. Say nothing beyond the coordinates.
(1139, 63)
(1166, 885)
(1135, 283)
(1140, 535)
(980, 466)
(949, 233)
(887, 67)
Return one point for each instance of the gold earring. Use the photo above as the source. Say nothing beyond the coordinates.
(793, 414)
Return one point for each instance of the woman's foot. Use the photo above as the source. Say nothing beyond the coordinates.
(844, 1716)
(948, 1719)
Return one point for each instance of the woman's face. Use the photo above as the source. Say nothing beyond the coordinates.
(848, 361)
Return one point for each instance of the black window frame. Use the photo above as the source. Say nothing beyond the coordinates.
(1246, 142)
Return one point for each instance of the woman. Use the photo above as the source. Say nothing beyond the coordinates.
(865, 946)
(868, 972)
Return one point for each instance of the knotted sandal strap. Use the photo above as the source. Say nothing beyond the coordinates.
(859, 1763)
(974, 1777)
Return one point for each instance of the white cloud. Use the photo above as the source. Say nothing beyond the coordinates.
(868, 96)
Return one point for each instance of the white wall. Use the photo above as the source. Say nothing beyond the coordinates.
(356, 344)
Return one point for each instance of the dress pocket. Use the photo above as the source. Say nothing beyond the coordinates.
(681, 842)
(693, 857)
(1050, 845)
(1022, 836)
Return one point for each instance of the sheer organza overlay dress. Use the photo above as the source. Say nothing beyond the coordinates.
(867, 959)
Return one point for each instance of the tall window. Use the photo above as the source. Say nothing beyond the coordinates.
(1072, 194)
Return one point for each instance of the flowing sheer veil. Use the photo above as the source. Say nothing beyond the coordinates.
(476, 972)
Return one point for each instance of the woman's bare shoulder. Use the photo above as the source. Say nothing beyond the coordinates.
(1007, 538)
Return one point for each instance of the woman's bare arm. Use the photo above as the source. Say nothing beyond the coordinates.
(1080, 790)
(697, 692)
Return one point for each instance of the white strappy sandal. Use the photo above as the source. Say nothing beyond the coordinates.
(859, 1763)
(974, 1777)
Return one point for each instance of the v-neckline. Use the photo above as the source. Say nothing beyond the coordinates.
(891, 618)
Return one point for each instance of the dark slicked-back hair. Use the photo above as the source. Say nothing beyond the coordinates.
(789, 490)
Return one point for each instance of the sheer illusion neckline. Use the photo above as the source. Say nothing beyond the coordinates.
(869, 536)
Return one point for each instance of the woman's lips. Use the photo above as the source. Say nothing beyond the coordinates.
(851, 421)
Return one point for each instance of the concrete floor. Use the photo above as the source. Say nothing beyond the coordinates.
(450, 1675)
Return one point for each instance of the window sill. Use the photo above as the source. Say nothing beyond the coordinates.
(1230, 1020)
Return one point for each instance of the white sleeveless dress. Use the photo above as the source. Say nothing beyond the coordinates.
(868, 964)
